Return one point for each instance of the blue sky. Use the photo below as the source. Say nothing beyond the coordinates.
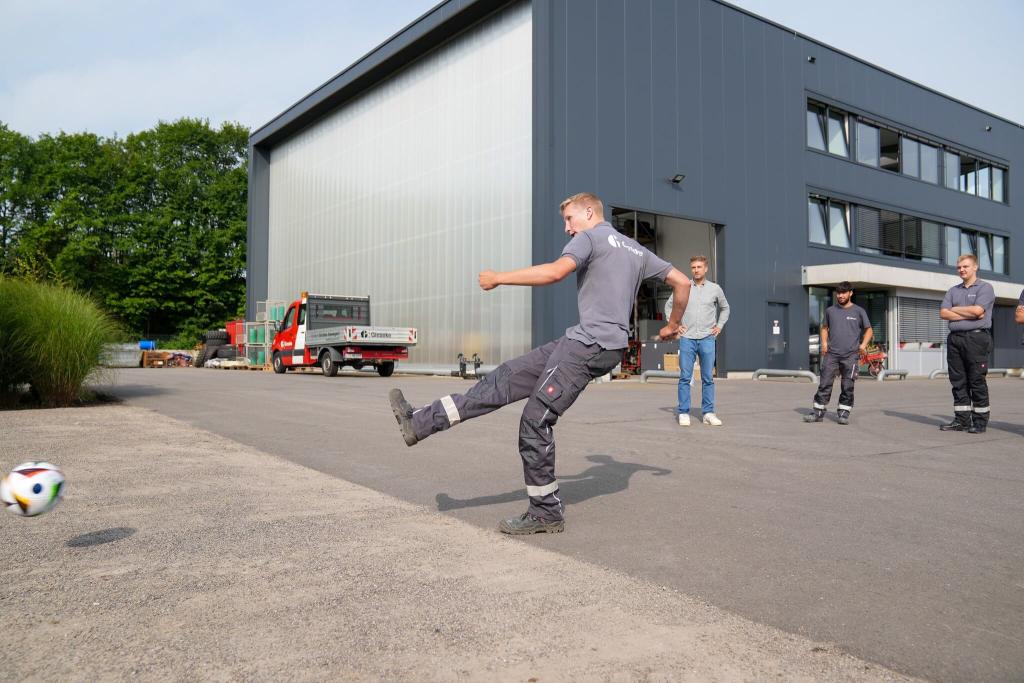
(119, 66)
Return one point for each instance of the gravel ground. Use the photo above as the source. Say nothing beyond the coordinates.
(178, 554)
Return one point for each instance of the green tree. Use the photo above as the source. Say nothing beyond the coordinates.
(15, 156)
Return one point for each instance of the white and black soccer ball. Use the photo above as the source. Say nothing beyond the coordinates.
(32, 488)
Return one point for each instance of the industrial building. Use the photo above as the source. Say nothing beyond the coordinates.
(705, 129)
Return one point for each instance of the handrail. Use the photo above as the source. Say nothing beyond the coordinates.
(1002, 372)
(657, 373)
(773, 372)
(902, 374)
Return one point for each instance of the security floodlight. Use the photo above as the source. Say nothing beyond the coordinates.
(677, 178)
(811, 59)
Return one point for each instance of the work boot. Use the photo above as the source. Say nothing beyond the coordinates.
(957, 425)
(816, 415)
(403, 413)
(528, 524)
(977, 428)
(844, 417)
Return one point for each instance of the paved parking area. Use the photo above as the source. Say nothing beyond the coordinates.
(900, 544)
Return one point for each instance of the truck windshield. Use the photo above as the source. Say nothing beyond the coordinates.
(327, 313)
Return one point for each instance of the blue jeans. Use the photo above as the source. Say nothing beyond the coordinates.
(705, 350)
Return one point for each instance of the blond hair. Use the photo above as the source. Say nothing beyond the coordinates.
(700, 257)
(967, 257)
(584, 199)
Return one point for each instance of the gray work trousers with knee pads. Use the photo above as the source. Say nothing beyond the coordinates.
(550, 377)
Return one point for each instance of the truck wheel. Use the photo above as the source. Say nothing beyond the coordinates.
(328, 365)
(200, 358)
(214, 335)
(279, 367)
(386, 368)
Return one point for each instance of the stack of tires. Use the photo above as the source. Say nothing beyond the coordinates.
(215, 345)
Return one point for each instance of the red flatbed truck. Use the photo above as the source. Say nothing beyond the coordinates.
(334, 331)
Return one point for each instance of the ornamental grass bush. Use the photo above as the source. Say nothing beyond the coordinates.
(51, 338)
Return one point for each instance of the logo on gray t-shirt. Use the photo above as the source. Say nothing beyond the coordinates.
(609, 270)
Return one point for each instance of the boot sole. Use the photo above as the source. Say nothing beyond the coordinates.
(548, 529)
(399, 406)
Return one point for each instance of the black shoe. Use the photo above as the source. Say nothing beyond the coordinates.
(844, 417)
(954, 426)
(976, 429)
(403, 413)
(816, 416)
(528, 524)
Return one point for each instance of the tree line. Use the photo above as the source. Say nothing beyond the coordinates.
(151, 226)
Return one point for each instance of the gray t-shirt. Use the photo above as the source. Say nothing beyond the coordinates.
(609, 270)
(846, 327)
(978, 294)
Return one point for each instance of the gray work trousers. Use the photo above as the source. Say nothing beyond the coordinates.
(550, 377)
(846, 368)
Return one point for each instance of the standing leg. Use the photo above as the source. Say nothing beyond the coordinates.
(829, 367)
(687, 354)
(848, 370)
(957, 358)
(980, 346)
(570, 367)
(706, 352)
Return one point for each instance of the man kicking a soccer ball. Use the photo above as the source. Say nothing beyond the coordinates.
(609, 269)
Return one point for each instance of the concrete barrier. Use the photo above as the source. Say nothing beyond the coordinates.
(772, 372)
(902, 374)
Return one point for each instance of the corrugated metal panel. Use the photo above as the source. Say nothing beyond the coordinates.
(405, 193)
(920, 321)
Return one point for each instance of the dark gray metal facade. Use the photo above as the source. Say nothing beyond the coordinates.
(628, 94)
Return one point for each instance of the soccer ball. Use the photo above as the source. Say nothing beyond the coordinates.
(32, 488)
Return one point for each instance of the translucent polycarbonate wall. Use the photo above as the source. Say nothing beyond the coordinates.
(407, 192)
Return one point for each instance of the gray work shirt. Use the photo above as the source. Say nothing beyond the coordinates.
(707, 308)
(978, 294)
(609, 270)
(846, 328)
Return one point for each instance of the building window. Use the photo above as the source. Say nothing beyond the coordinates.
(929, 163)
(998, 254)
(890, 233)
(968, 174)
(838, 133)
(997, 184)
(985, 181)
(828, 222)
(816, 126)
(909, 156)
(828, 129)
(889, 149)
(867, 144)
(951, 164)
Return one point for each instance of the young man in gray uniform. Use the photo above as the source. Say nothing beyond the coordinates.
(845, 333)
(609, 269)
(968, 308)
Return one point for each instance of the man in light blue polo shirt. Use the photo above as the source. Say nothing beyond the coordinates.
(703, 320)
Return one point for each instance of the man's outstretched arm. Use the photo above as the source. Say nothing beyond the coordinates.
(544, 274)
(680, 298)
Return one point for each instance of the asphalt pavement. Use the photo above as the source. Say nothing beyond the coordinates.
(900, 544)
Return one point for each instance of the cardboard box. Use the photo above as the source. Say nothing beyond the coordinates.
(672, 362)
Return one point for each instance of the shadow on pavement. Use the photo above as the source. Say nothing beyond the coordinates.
(126, 391)
(100, 537)
(606, 476)
(936, 420)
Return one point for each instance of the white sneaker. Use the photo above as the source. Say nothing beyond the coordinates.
(712, 419)
(684, 420)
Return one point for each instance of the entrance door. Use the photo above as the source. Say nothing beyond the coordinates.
(778, 334)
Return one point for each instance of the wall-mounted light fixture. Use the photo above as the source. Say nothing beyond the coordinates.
(811, 59)
(677, 179)
(988, 129)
